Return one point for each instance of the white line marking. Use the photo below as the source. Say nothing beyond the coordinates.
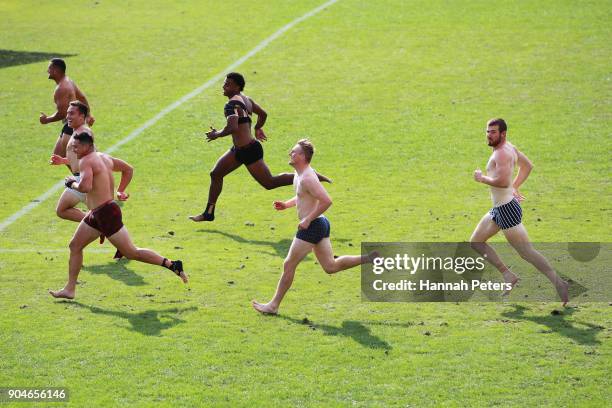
(34, 203)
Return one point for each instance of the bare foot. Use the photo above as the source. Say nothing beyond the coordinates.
(62, 294)
(563, 291)
(177, 268)
(202, 217)
(510, 278)
(183, 277)
(265, 309)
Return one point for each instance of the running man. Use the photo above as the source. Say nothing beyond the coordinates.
(65, 91)
(66, 206)
(313, 230)
(105, 217)
(506, 213)
(245, 150)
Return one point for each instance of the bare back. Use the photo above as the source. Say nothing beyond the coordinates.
(505, 156)
(305, 202)
(65, 91)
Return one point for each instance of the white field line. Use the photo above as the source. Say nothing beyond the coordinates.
(34, 203)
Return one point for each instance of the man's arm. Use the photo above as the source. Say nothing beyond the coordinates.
(262, 116)
(525, 167)
(86, 172)
(316, 189)
(283, 205)
(61, 98)
(127, 172)
(230, 127)
(81, 97)
(57, 160)
(503, 171)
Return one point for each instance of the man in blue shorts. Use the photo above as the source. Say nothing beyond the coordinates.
(312, 201)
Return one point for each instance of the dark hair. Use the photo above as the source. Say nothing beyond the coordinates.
(307, 148)
(238, 79)
(500, 123)
(60, 63)
(84, 109)
(84, 138)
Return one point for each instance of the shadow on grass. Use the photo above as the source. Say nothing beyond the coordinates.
(350, 328)
(149, 322)
(558, 324)
(281, 247)
(117, 271)
(9, 58)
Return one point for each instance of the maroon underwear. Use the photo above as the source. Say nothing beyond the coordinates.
(106, 218)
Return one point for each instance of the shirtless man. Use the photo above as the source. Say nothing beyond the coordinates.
(506, 213)
(245, 150)
(66, 206)
(313, 230)
(65, 91)
(105, 217)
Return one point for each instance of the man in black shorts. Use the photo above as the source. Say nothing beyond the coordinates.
(105, 218)
(65, 92)
(246, 149)
(313, 230)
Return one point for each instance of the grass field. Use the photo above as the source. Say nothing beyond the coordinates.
(395, 96)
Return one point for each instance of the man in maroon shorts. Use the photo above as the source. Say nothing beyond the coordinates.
(105, 218)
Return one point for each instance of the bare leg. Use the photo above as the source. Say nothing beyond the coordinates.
(323, 178)
(299, 249)
(325, 255)
(83, 236)
(261, 172)
(60, 146)
(518, 238)
(121, 240)
(485, 229)
(66, 207)
(224, 166)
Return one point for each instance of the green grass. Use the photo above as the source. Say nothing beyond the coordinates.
(395, 96)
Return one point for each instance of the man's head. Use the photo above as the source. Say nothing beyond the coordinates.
(83, 144)
(56, 69)
(496, 131)
(233, 85)
(77, 112)
(301, 154)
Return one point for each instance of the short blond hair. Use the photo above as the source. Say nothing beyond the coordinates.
(307, 148)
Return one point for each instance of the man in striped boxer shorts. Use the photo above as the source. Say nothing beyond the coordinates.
(506, 214)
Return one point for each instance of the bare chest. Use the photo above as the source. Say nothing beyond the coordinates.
(491, 165)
